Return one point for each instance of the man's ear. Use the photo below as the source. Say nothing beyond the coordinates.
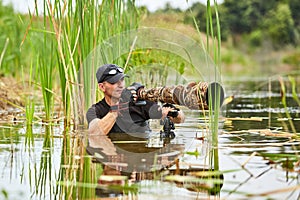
(101, 87)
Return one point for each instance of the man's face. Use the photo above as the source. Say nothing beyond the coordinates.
(113, 90)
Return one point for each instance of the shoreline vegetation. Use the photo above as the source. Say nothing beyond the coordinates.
(47, 65)
(242, 54)
(11, 93)
(241, 60)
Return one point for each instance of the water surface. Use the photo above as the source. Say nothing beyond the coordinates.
(258, 154)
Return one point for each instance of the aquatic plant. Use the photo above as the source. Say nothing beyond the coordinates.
(216, 50)
(44, 177)
(294, 89)
(215, 99)
(284, 103)
(70, 31)
(10, 38)
(213, 49)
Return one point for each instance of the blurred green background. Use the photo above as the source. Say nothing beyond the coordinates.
(258, 37)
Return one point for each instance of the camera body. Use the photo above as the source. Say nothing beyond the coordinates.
(173, 113)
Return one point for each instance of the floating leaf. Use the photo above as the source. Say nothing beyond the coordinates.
(228, 100)
(193, 153)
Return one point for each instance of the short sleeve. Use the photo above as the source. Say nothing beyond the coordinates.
(91, 114)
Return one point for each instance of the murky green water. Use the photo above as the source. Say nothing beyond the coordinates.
(273, 170)
(258, 154)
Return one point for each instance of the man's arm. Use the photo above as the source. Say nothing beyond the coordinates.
(98, 130)
(100, 126)
(104, 125)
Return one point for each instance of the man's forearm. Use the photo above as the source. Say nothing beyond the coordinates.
(102, 126)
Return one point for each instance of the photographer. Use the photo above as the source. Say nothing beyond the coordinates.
(120, 111)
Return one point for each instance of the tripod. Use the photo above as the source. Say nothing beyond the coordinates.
(168, 128)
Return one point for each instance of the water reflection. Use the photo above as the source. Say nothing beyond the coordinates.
(258, 157)
(126, 159)
(264, 149)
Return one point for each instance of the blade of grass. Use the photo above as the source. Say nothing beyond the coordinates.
(3, 51)
(283, 100)
(294, 91)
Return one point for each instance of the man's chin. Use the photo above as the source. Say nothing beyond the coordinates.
(117, 96)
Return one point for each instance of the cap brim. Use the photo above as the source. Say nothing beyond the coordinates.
(116, 78)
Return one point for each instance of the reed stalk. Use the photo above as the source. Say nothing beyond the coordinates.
(112, 19)
(89, 177)
(64, 191)
(294, 89)
(213, 49)
(78, 28)
(46, 83)
(70, 31)
(29, 110)
(3, 51)
(45, 172)
(283, 101)
(30, 105)
(46, 66)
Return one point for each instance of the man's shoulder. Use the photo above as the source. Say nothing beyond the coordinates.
(101, 103)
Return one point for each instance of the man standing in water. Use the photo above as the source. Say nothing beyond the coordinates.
(119, 111)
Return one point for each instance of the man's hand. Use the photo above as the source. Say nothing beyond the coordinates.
(134, 88)
(127, 96)
(130, 93)
(169, 105)
(165, 111)
(175, 114)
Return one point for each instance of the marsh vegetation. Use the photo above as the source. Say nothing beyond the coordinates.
(249, 147)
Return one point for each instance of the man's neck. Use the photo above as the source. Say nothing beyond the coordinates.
(111, 101)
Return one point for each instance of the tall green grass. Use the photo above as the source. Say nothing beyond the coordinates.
(62, 37)
(69, 32)
(216, 52)
(294, 89)
(284, 102)
(212, 47)
(3, 52)
(46, 78)
(113, 18)
(10, 40)
(213, 52)
(72, 30)
(29, 110)
(44, 177)
(214, 112)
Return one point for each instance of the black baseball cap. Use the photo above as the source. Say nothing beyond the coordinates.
(111, 73)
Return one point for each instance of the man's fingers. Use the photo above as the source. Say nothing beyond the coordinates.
(135, 97)
(131, 88)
